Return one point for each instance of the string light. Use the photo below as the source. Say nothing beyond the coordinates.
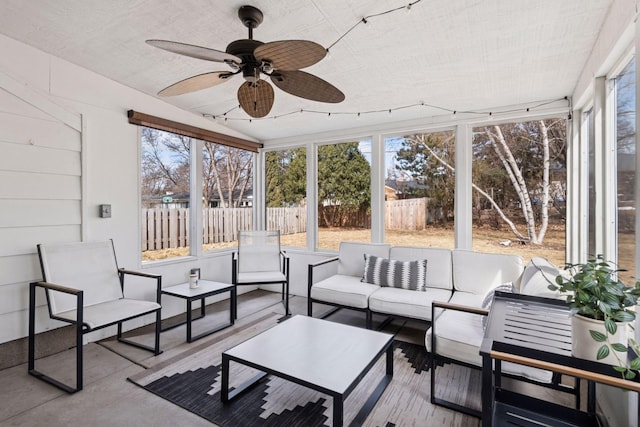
(366, 20)
(357, 114)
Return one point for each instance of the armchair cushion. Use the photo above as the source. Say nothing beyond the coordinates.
(386, 272)
(260, 277)
(109, 312)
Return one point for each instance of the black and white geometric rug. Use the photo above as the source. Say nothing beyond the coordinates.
(192, 381)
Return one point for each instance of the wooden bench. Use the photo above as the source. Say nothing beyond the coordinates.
(84, 287)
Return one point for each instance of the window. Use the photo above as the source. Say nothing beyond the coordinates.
(166, 188)
(625, 128)
(227, 194)
(344, 193)
(420, 189)
(286, 189)
(588, 126)
(519, 183)
(165, 172)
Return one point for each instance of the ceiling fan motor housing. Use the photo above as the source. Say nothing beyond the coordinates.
(244, 49)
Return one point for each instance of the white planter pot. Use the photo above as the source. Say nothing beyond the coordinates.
(585, 347)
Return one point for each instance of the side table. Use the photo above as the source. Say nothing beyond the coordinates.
(206, 288)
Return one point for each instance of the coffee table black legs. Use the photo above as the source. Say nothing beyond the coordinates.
(205, 289)
(338, 398)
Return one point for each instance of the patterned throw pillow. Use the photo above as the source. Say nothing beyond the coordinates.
(410, 275)
(488, 298)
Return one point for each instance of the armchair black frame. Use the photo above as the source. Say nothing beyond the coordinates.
(82, 325)
(283, 269)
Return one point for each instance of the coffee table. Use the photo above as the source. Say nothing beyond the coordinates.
(206, 288)
(325, 356)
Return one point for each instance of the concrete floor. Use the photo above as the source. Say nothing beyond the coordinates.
(108, 399)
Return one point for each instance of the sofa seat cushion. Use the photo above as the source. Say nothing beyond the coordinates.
(467, 298)
(344, 290)
(412, 304)
(459, 336)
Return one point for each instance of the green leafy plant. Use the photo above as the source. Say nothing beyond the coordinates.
(593, 290)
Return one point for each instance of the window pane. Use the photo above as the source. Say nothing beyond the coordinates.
(165, 194)
(227, 194)
(519, 178)
(344, 193)
(286, 181)
(591, 143)
(626, 169)
(420, 189)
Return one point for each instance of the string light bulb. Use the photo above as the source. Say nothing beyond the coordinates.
(407, 9)
(389, 111)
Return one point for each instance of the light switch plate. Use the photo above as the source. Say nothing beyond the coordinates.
(105, 211)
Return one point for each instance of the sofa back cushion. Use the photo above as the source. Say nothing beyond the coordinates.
(478, 272)
(537, 276)
(439, 270)
(351, 256)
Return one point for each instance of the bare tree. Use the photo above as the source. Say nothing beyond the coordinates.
(227, 171)
(538, 143)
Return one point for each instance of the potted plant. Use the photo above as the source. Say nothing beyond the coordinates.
(601, 307)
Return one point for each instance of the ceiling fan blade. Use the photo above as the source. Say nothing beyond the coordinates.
(256, 99)
(195, 51)
(305, 85)
(199, 82)
(290, 54)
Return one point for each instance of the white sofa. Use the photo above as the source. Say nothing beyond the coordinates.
(459, 280)
(459, 330)
(459, 276)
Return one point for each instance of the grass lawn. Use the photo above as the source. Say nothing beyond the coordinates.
(484, 240)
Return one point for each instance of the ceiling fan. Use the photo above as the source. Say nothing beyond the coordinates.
(280, 60)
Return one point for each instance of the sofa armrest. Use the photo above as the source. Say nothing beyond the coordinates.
(457, 307)
(448, 306)
(311, 269)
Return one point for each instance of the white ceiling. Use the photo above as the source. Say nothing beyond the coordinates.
(460, 54)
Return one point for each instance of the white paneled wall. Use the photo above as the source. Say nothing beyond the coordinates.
(40, 196)
(66, 147)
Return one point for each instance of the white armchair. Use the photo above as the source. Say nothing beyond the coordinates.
(85, 287)
(259, 260)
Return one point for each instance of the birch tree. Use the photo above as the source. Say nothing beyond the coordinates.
(528, 172)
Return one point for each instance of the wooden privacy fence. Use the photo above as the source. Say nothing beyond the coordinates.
(410, 214)
(169, 228)
(164, 228)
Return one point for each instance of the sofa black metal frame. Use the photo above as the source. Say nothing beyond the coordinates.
(103, 314)
(368, 313)
(437, 359)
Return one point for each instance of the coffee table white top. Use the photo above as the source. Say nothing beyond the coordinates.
(204, 286)
(320, 352)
